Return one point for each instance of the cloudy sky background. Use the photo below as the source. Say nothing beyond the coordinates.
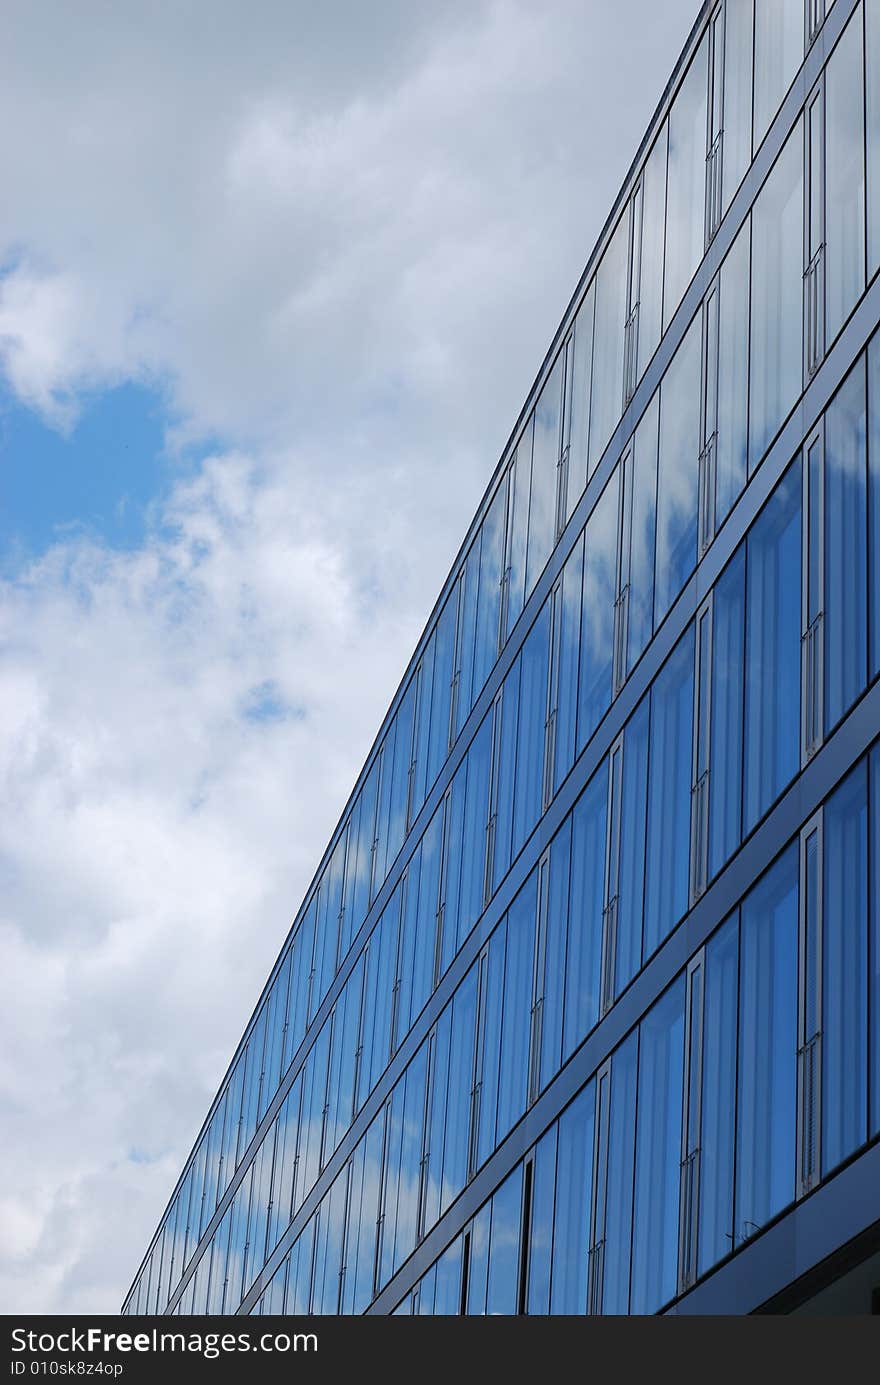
(274, 282)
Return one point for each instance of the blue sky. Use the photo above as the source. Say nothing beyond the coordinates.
(96, 479)
(340, 239)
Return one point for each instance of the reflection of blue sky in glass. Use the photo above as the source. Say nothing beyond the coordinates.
(99, 479)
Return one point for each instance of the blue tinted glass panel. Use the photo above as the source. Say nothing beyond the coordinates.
(737, 154)
(491, 1010)
(447, 1283)
(478, 1262)
(718, 1102)
(518, 527)
(444, 656)
(449, 919)
(777, 295)
(420, 784)
(642, 478)
(669, 794)
(768, 1017)
(579, 405)
(567, 664)
(583, 958)
(489, 596)
(473, 862)
(686, 187)
(653, 229)
(504, 1246)
(725, 762)
(540, 1256)
(506, 775)
(530, 733)
(618, 1213)
(519, 964)
(779, 51)
(456, 1140)
(658, 1153)
(874, 956)
(597, 624)
(426, 917)
(874, 500)
(731, 456)
(872, 88)
(632, 848)
(556, 930)
(678, 472)
(574, 1192)
(845, 974)
(846, 548)
(607, 396)
(381, 964)
(844, 177)
(773, 654)
(467, 622)
(545, 460)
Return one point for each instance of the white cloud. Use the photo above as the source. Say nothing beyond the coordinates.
(340, 245)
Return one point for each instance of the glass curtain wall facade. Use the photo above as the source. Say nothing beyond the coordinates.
(584, 1000)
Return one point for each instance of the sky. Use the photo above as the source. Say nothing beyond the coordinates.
(275, 280)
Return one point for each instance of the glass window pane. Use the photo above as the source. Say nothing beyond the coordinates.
(768, 1038)
(466, 640)
(631, 885)
(545, 461)
(715, 1238)
(478, 1263)
(504, 1246)
(619, 1205)
(844, 177)
(874, 500)
(678, 472)
(583, 957)
(845, 963)
(556, 931)
(642, 478)
(566, 673)
(872, 87)
(731, 455)
(669, 793)
(456, 1138)
(449, 908)
(608, 341)
(846, 544)
(874, 1004)
(653, 228)
(779, 52)
(737, 150)
(519, 962)
(441, 690)
(491, 1009)
(658, 1153)
(685, 206)
(519, 481)
(777, 317)
(473, 858)
(773, 654)
(447, 1285)
(505, 774)
(489, 595)
(574, 1192)
(597, 612)
(528, 783)
(579, 408)
(725, 766)
(541, 1227)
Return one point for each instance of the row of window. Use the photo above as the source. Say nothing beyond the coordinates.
(753, 1077)
(705, 754)
(684, 467)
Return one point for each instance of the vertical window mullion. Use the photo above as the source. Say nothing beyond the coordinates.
(810, 1007)
(812, 597)
(689, 1195)
(702, 733)
(612, 868)
(539, 968)
(715, 125)
(624, 548)
(440, 910)
(631, 326)
(552, 694)
(708, 419)
(494, 779)
(814, 231)
(596, 1265)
